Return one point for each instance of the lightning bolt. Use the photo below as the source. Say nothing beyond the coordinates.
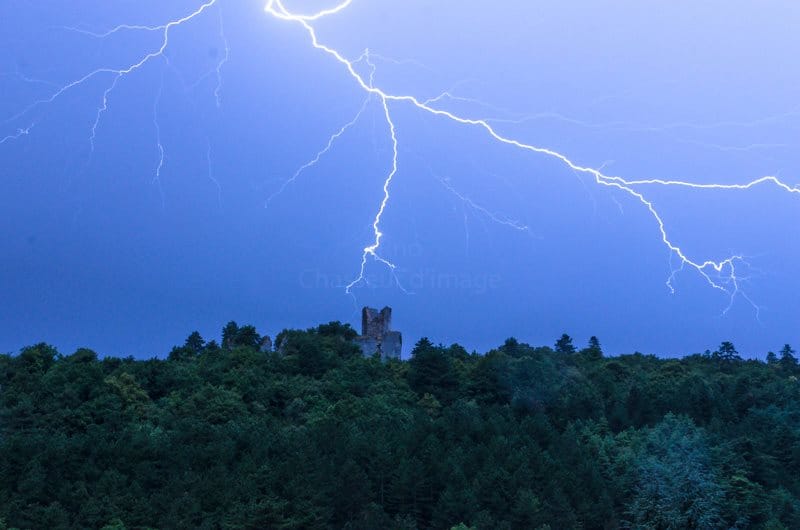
(497, 218)
(221, 63)
(314, 161)
(668, 129)
(103, 108)
(211, 176)
(494, 217)
(16, 135)
(623, 125)
(372, 250)
(159, 145)
(719, 274)
(117, 73)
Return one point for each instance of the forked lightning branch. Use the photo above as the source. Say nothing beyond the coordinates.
(719, 273)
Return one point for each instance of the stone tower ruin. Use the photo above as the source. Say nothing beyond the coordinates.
(377, 336)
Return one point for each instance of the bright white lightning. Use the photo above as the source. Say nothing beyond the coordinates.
(719, 274)
(725, 268)
(306, 18)
(746, 186)
(372, 250)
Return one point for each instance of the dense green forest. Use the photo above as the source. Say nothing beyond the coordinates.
(314, 435)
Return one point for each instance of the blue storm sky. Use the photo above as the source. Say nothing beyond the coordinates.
(98, 252)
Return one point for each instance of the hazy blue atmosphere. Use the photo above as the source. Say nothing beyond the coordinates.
(105, 249)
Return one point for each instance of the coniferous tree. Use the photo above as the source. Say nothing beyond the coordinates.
(564, 344)
(727, 352)
(772, 358)
(229, 333)
(194, 342)
(593, 349)
(787, 361)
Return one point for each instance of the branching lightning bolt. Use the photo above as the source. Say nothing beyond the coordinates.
(118, 73)
(497, 218)
(314, 161)
(721, 274)
(372, 250)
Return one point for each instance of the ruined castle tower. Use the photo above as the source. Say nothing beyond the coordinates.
(376, 334)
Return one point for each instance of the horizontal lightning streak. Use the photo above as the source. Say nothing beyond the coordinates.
(112, 31)
(711, 186)
(638, 127)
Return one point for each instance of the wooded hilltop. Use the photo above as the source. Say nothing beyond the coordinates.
(313, 435)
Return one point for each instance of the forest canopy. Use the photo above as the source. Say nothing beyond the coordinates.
(314, 435)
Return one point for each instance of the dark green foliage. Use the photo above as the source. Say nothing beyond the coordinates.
(313, 435)
(564, 344)
(233, 336)
(727, 352)
(676, 486)
(194, 343)
(772, 358)
(337, 329)
(787, 360)
(593, 350)
(431, 371)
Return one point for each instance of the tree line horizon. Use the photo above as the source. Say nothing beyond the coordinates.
(313, 434)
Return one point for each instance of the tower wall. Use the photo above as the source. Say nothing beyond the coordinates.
(376, 335)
